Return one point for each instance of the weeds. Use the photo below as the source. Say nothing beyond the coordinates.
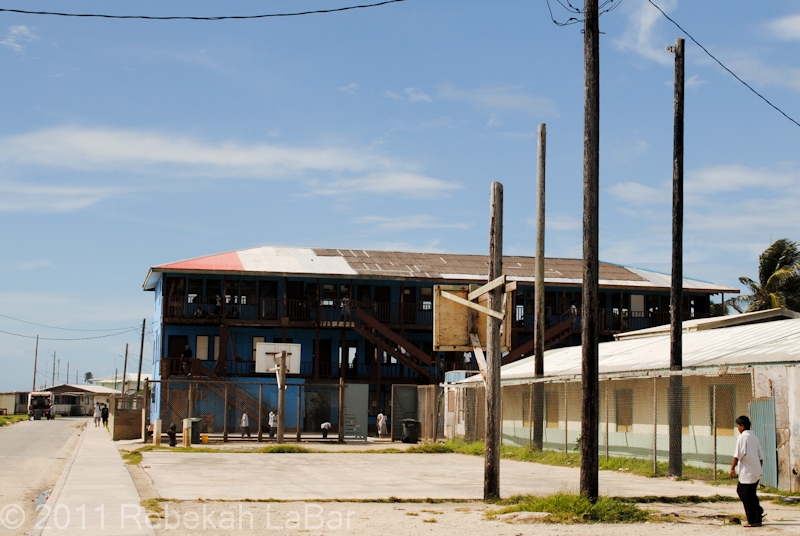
(11, 419)
(565, 507)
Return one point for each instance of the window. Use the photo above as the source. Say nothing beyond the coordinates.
(201, 344)
(551, 408)
(685, 405)
(725, 415)
(624, 404)
(426, 297)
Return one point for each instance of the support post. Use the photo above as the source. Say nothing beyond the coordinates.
(539, 319)
(530, 417)
(566, 422)
(714, 424)
(606, 391)
(676, 283)
(589, 476)
(299, 408)
(260, 412)
(491, 484)
(281, 358)
(341, 410)
(655, 426)
(36, 362)
(225, 414)
(125, 370)
(141, 356)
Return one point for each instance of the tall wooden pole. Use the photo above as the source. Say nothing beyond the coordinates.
(591, 185)
(491, 483)
(67, 380)
(281, 394)
(341, 410)
(35, 363)
(125, 369)
(676, 284)
(141, 356)
(53, 382)
(539, 319)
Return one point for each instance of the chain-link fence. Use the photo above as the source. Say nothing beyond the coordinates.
(220, 406)
(634, 416)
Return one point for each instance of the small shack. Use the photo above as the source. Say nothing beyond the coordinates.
(733, 365)
(79, 400)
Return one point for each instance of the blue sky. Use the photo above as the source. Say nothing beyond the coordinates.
(126, 144)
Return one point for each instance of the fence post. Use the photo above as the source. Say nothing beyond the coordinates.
(714, 424)
(168, 409)
(225, 415)
(260, 410)
(299, 405)
(189, 400)
(655, 426)
(607, 387)
(566, 422)
(530, 417)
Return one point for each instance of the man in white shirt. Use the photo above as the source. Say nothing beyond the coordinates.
(272, 424)
(750, 459)
(245, 425)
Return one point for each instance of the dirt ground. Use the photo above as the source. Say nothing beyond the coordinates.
(329, 518)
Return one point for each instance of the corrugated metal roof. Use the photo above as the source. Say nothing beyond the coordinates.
(767, 342)
(413, 266)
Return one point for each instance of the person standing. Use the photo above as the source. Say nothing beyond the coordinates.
(97, 414)
(104, 415)
(186, 360)
(750, 458)
(272, 424)
(381, 422)
(245, 423)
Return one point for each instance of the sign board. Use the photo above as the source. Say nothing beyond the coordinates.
(265, 357)
(451, 321)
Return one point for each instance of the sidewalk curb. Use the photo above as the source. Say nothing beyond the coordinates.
(41, 520)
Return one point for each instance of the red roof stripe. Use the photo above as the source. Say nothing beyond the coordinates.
(223, 261)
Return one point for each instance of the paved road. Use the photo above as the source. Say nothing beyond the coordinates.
(32, 456)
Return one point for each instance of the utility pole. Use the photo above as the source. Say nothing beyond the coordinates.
(141, 357)
(491, 483)
(67, 380)
(675, 398)
(58, 375)
(54, 370)
(538, 335)
(590, 339)
(125, 369)
(35, 362)
(281, 362)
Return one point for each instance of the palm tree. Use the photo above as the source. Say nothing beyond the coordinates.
(778, 280)
(87, 377)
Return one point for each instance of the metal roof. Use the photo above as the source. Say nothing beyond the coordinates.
(760, 343)
(287, 261)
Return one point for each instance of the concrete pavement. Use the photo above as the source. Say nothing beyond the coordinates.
(95, 495)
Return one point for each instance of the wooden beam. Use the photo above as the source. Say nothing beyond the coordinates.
(479, 357)
(479, 308)
(491, 285)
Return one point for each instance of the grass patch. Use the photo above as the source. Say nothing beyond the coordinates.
(152, 505)
(430, 448)
(11, 419)
(431, 520)
(566, 507)
(284, 449)
(683, 499)
(133, 457)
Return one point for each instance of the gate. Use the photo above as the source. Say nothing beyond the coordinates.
(356, 403)
(404, 406)
(762, 417)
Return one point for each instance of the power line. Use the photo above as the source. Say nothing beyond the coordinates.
(224, 17)
(56, 327)
(602, 8)
(748, 86)
(68, 339)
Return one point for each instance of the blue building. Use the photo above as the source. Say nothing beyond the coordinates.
(366, 316)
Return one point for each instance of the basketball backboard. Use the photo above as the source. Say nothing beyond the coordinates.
(451, 321)
(265, 357)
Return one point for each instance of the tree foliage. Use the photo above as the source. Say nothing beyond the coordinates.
(88, 377)
(778, 280)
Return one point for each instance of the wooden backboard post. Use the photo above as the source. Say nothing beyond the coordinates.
(491, 484)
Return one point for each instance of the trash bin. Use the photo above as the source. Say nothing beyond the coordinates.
(195, 437)
(411, 429)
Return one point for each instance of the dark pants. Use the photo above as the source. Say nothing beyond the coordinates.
(747, 493)
(272, 430)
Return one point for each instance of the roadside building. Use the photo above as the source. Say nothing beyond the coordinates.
(14, 402)
(746, 364)
(79, 400)
(362, 317)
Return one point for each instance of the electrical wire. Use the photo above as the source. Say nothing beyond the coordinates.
(69, 339)
(601, 9)
(56, 327)
(224, 17)
(710, 55)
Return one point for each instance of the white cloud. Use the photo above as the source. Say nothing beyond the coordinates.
(390, 183)
(641, 36)
(494, 120)
(138, 151)
(407, 223)
(17, 37)
(24, 266)
(509, 98)
(350, 88)
(733, 177)
(694, 82)
(28, 198)
(640, 194)
(558, 222)
(786, 28)
(415, 94)
(392, 95)
(757, 73)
